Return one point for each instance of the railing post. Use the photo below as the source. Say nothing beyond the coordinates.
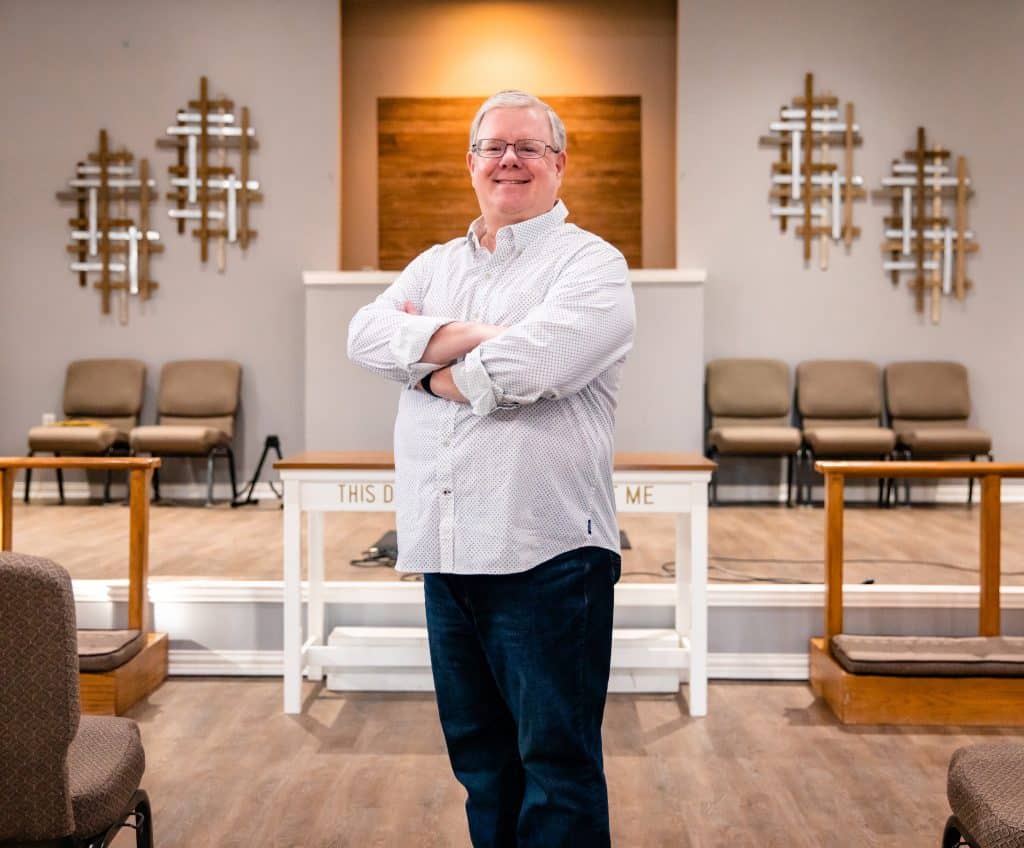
(833, 554)
(988, 567)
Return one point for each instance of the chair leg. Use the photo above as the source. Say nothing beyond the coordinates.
(60, 482)
(970, 483)
(954, 835)
(789, 480)
(156, 485)
(209, 476)
(231, 471)
(906, 480)
(713, 456)
(28, 478)
(143, 820)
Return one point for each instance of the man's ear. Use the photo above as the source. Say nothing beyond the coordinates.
(469, 161)
(560, 160)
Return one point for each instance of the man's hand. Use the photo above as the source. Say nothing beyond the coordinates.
(442, 385)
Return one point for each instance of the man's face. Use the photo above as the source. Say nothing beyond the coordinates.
(511, 189)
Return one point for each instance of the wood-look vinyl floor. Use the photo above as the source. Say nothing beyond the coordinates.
(768, 766)
(927, 545)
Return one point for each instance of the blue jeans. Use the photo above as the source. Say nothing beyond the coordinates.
(521, 664)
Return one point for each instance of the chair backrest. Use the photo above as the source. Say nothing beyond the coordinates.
(39, 707)
(748, 392)
(925, 393)
(108, 389)
(845, 392)
(200, 391)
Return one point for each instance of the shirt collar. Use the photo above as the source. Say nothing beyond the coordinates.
(524, 232)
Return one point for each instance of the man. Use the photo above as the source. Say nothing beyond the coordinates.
(510, 341)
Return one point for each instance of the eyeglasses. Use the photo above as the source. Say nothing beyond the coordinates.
(525, 148)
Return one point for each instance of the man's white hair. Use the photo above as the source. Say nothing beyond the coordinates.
(511, 98)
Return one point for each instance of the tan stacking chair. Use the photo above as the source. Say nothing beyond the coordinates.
(67, 779)
(839, 402)
(196, 407)
(748, 414)
(102, 401)
(929, 404)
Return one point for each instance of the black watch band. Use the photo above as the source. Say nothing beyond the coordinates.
(425, 382)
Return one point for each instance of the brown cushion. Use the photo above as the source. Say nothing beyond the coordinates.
(945, 441)
(103, 650)
(839, 388)
(931, 656)
(74, 440)
(850, 441)
(177, 439)
(770, 441)
(105, 764)
(754, 388)
(104, 387)
(199, 387)
(985, 787)
(927, 390)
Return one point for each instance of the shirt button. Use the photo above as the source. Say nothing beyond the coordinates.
(446, 491)
(487, 276)
(446, 442)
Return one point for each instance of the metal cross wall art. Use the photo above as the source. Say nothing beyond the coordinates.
(111, 242)
(918, 236)
(806, 183)
(212, 192)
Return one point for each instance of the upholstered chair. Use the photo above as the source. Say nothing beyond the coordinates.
(929, 405)
(840, 411)
(65, 779)
(748, 414)
(102, 401)
(197, 403)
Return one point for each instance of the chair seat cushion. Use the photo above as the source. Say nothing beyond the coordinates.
(850, 441)
(755, 440)
(177, 439)
(985, 787)
(930, 656)
(105, 766)
(73, 440)
(946, 441)
(104, 650)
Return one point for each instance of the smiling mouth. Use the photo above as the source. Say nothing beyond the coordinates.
(511, 182)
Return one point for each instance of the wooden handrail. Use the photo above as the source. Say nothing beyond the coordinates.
(140, 470)
(991, 474)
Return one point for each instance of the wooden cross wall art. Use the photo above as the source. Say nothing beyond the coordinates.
(806, 183)
(104, 238)
(919, 238)
(205, 188)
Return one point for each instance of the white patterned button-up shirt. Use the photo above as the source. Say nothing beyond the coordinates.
(524, 471)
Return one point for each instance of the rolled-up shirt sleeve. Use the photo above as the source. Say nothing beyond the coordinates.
(584, 325)
(388, 341)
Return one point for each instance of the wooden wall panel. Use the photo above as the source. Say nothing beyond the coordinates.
(425, 196)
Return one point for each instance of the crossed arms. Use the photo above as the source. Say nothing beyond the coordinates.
(584, 325)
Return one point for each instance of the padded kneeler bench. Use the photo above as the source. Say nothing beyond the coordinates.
(105, 650)
(930, 656)
(985, 787)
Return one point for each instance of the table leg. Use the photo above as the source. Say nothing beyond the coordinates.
(138, 548)
(315, 602)
(698, 599)
(6, 507)
(292, 598)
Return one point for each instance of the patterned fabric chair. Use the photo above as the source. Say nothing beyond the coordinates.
(840, 408)
(929, 404)
(196, 407)
(66, 779)
(106, 394)
(748, 412)
(985, 786)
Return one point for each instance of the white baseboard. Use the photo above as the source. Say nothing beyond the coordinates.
(199, 663)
